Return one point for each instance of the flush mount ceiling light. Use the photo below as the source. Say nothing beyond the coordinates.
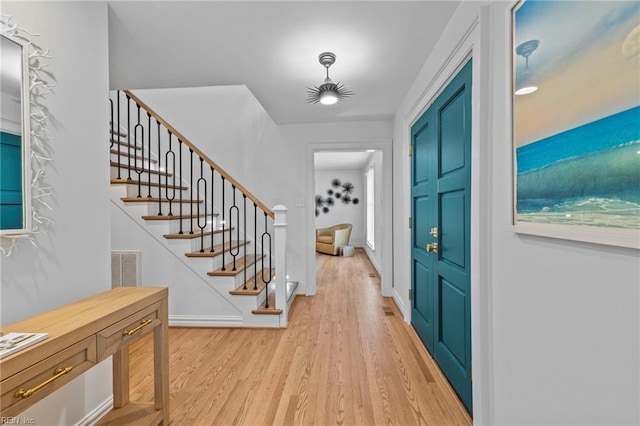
(526, 79)
(328, 93)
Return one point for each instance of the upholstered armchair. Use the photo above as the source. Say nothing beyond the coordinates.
(328, 240)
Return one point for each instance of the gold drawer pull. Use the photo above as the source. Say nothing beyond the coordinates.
(57, 373)
(133, 330)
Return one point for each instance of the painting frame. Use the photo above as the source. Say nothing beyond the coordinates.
(547, 221)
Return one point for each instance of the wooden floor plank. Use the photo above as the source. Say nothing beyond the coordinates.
(347, 357)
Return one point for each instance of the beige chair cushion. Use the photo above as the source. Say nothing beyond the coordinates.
(327, 239)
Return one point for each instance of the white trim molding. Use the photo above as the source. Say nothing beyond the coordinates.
(205, 321)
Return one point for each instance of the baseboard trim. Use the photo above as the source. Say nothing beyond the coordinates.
(400, 304)
(372, 259)
(97, 413)
(205, 321)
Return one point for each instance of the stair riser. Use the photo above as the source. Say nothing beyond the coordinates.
(174, 225)
(156, 192)
(187, 208)
(240, 278)
(206, 264)
(124, 173)
(217, 239)
(137, 162)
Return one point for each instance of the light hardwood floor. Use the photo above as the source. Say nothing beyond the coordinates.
(347, 357)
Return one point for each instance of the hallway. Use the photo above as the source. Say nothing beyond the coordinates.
(346, 358)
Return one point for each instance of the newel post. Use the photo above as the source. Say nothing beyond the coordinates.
(280, 248)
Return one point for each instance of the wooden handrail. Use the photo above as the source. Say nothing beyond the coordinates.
(202, 155)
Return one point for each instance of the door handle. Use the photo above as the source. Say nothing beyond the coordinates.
(432, 247)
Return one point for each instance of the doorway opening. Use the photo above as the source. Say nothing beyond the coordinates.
(348, 204)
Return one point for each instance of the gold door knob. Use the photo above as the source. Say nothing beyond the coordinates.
(432, 247)
(434, 232)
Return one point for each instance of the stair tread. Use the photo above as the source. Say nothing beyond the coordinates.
(136, 169)
(240, 291)
(137, 157)
(217, 249)
(176, 217)
(271, 310)
(116, 181)
(125, 143)
(241, 264)
(117, 132)
(196, 234)
(155, 200)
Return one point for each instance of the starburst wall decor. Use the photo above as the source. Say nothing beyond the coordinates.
(338, 191)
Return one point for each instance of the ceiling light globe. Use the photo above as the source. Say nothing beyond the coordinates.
(328, 98)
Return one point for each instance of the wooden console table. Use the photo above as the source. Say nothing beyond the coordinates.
(83, 334)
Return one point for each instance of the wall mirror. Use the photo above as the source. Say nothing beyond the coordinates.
(15, 170)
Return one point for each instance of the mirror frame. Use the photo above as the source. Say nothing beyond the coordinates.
(25, 97)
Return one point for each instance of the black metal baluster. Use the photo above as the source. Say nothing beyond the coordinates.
(223, 224)
(171, 154)
(202, 181)
(244, 200)
(180, 181)
(191, 183)
(255, 246)
(212, 250)
(234, 251)
(166, 192)
(129, 136)
(139, 170)
(266, 283)
(117, 135)
(149, 160)
(111, 123)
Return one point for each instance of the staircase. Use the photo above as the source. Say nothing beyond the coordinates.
(198, 212)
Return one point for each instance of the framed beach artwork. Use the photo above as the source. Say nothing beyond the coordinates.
(576, 120)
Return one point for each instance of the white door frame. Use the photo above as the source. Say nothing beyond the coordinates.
(386, 246)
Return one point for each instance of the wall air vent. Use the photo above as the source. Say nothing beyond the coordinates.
(126, 268)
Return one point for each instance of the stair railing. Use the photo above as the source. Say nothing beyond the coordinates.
(171, 163)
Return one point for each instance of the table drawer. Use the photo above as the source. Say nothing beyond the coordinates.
(32, 384)
(130, 329)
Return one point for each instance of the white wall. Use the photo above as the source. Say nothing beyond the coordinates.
(556, 323)
(375, 254)
(72, 260)
(340, 212)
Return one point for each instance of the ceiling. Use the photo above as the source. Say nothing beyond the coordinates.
(272, 47)
(341, 160)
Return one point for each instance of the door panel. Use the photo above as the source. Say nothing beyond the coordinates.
(422, 237)
(452, 334)
(452, 235)
(441, 182)
(422, 317)
(451, 138)
(421, 154)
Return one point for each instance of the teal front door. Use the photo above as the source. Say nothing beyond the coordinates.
(440, 248)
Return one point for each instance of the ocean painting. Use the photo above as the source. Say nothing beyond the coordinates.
(577, 127)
